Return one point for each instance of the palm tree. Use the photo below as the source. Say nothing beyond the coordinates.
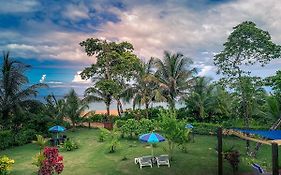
(175, 75)
(145, 89)
(13, 91)
(200, 97)
(75, 107)
(55, 108)
(95, 94)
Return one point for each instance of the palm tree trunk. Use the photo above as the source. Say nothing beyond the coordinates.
(119, 107)
(146, 109)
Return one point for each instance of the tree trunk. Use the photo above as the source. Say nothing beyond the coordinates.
(146, 109)
(108, 109)
(258, 145)
(119, 107)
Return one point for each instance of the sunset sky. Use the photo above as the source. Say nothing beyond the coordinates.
(46, 34)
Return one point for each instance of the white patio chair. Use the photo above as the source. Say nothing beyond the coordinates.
(145, 161)
(163, 160)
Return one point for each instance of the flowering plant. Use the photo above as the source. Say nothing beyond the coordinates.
(53, 162)
(6, 165)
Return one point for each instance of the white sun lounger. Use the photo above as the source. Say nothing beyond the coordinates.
(144, 161)
(163, 160)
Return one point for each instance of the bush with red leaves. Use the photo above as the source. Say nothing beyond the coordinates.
(52, 162)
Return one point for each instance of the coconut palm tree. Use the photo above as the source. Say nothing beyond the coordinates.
(145, 89)
(200, 98)
(55, 108)
(175, 76)
(94, 94)
(14, 93)
(75, 107)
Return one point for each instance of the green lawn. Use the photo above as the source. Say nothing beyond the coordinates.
(93, 158)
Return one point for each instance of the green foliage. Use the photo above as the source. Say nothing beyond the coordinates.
(69, 145)
(6, 165)
(24, 136)
(232, 158)
(38, 159)
(6, 139)
(75, 107)
(40, 141)
(130, 128)
(175, 75)
(111, 138)
(16, 96)
(99, 118)
(174, 130)
(246, 45)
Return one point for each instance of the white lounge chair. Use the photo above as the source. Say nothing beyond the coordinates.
(144, 161)
(163, 160)
(258, 170)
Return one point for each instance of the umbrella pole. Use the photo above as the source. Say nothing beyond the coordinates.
(152, 150)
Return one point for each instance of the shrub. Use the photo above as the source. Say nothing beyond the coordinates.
(111, 138)
(100, 118)
(6, 139)
(144, 126)
(52, 163)
(233, 159)
(69, 145)
(24, 136)
(205, 128)
(6, 165)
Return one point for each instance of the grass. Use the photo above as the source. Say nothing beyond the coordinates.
(93, 158)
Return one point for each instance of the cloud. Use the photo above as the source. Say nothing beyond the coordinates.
(196, 29)
(18, 6)
(78, 79)
(152, 27)
(43, 78)
(76, 12)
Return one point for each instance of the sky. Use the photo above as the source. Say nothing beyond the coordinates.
(46, 34)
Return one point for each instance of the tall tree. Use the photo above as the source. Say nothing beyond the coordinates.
(199, 99)
(246, 45)
(175, 75)
(102, 91)
(13, 91)
(114, 61)
(145, 88)
(75, 107)
(55, 109)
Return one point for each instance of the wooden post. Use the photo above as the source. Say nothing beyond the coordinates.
(275, 167)
(219, 135)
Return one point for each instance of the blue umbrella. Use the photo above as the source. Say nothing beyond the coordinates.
(151, 138)
(189, 126)
(57, 129)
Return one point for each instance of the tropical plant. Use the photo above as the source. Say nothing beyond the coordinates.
(52, 163)
(111, 138)
(246, 45)
(115, 61)
(102, 92)
(69, 145)
(55, 109)
(145, 89)
(175, 76)
(75, 107)
(14, 96)
(6, 165)
(199, 100)
(41, 142)
(174, 131)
